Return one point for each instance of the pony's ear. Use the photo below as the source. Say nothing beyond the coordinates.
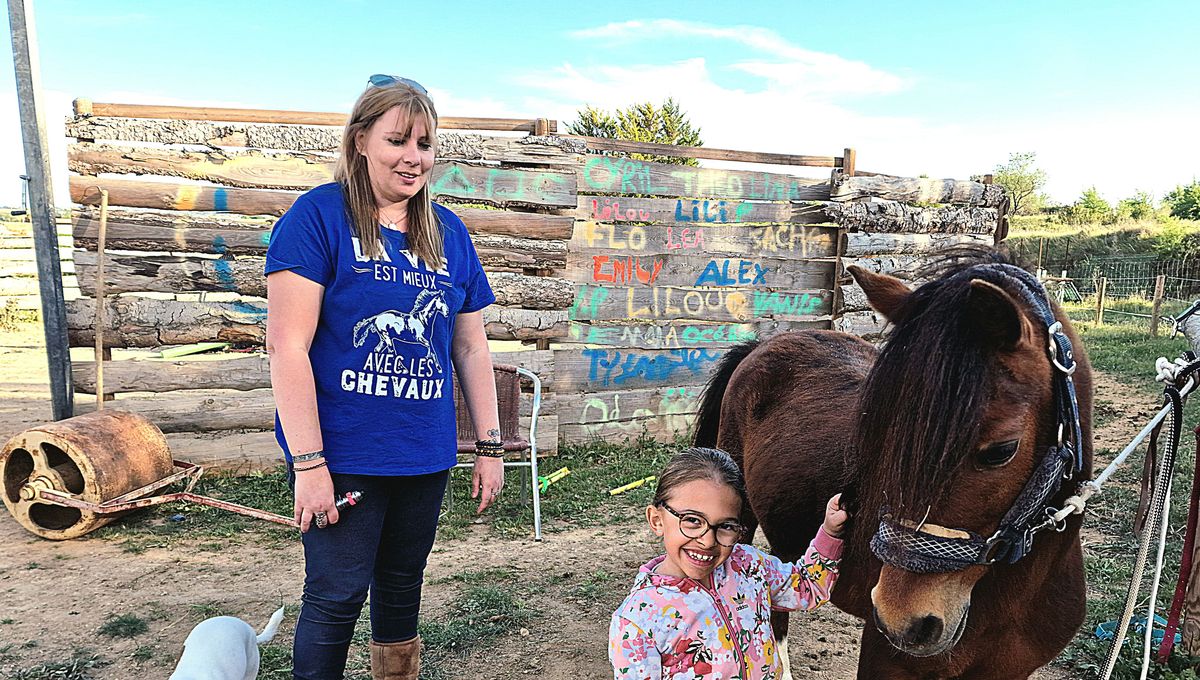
(887, 294)
(994, 316)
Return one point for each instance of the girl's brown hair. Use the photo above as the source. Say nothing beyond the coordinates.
(699, 463)
(424, 232)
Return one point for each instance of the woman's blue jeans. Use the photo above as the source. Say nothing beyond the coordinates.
(379, 545)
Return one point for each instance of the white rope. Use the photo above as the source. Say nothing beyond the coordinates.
(1158, 565)
(1165, 371)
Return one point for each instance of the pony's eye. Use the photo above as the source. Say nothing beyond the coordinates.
(997, 455)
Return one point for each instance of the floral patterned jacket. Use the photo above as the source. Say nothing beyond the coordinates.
(674, 628)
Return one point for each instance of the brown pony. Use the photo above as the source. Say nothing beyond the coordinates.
(941, 428)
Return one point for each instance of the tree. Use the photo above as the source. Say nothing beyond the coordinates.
(1140, 206)
(1021, 180)
(1185, 201)
(1090, 208)
(644, 122)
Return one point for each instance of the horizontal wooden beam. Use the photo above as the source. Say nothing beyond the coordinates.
(172, 196)
(224, 233)
(614, 175)
(868, 325)
(697, 268)
(219, 411)
(787, 240)
(591, 370)
(659, 411)
(681, 334)
(894, 216)
(253, 190)
(697, 212)
(147, 272)
(148, 322)
(86, 107)
(549, 150)
(651, 148)
(916, 190)
(235, 372)
(863, 244)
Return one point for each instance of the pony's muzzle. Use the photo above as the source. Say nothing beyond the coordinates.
(922, 635)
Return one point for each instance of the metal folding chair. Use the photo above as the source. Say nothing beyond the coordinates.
(508, 404)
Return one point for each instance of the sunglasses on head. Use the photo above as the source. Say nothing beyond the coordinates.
(384, 80)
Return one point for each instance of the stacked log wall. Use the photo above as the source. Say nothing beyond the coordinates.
(631, 278)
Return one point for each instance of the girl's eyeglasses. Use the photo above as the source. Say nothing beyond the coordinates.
(694, 526)
(384, 80)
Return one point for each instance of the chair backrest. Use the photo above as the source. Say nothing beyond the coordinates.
(508, 405)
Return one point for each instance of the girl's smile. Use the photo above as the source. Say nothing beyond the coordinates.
(698, 506)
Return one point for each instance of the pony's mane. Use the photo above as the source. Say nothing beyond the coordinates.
(423, 297)
(921, 405)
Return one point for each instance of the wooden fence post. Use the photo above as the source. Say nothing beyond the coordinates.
(1160, 282)
(848, 161)
(1101, 289)
(41, 205)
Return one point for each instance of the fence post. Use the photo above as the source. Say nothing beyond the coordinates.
(1100, 291)
(1160, 282)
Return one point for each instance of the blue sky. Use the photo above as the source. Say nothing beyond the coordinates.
(1104, 92)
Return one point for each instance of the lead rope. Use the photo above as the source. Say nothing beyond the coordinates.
(1159, 497)
(1178, 375)
(1185, 562)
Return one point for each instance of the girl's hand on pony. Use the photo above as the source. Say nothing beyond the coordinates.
(835, 516)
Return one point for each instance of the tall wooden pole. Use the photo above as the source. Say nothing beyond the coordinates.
(1101, 291)
(41, 204)
(1160, 284)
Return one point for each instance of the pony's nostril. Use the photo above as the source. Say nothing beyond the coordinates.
(924, 630)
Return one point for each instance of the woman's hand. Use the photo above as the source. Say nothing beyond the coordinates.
(835, 516)
(314, 494)
(487, 480)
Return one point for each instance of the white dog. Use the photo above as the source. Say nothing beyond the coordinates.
(223, 648)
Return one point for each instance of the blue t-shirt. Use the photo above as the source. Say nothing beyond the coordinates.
(381, 351)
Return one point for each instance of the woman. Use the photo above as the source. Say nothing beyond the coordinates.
(373, 292)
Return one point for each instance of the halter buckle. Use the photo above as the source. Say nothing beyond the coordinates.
(993, 547)
(1054, 329)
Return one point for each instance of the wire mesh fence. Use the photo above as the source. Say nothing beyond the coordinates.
(1134, 276)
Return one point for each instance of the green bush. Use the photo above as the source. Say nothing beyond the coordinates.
(1185, 201)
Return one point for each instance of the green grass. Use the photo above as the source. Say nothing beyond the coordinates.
(1061, 243)
(124, 626)
(164, 526)
(579, 499)
(75, 668)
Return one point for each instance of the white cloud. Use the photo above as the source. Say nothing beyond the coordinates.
(820, 73)
(802, 104)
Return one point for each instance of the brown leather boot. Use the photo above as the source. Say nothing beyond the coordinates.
(396, 660)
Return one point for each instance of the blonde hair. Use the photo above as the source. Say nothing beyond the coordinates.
(424, 232)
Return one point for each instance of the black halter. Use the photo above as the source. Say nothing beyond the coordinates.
(914, 548)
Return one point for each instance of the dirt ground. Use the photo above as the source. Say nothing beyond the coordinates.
(54, 596)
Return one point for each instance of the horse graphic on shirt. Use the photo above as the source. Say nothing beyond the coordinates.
(414, 327)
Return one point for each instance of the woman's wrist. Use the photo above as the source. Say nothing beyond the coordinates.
(310, 457)
(489, 448)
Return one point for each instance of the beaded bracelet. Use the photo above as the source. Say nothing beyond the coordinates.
(306, 457)
(485, 453)
(311, 467)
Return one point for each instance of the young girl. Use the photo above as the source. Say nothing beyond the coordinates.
(703, 609)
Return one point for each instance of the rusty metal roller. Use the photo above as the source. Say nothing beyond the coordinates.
(94, 457)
